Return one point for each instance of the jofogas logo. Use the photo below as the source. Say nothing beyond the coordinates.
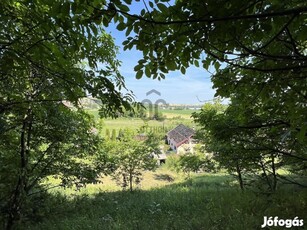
(153, 108)
(275, 222)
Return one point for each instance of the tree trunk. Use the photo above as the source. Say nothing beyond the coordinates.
(130, 181)
(16, 200)
(240, 179)
(14, 206)
(274, 172)
(266, 175)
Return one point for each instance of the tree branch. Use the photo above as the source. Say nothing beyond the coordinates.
(265, 16)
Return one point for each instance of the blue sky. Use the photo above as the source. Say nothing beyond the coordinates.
(176, 88)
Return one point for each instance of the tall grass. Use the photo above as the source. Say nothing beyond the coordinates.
(203, 202)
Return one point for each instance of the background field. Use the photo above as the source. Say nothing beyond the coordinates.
(173, 118)
(182, 113)
(136, 123)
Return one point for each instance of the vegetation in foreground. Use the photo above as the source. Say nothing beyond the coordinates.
(203, 202)
(264, 127)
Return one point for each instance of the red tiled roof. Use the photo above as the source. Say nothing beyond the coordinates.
(180, 133)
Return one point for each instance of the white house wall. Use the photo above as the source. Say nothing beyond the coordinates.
(172, 144)
(175, 146)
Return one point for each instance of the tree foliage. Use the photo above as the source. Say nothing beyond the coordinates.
(48, 43)
(195, 162)
(258, 51)
(51, 55)
(129, 157)
(244, 151)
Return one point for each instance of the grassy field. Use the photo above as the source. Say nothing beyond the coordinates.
(173, 118)
(203, 202)
(182, 113)
(168, 113)
(136, 123)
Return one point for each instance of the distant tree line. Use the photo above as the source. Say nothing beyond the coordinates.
(113, 134)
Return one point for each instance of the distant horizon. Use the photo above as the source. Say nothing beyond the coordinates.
(200, 104)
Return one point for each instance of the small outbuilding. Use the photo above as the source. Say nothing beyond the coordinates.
(160, 156)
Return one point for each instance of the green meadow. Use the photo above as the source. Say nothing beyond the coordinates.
(168, 113)
(178, 113)
(167, 200)
(137, 123)
(172, 119)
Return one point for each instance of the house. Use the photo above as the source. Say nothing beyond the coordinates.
(179, 136)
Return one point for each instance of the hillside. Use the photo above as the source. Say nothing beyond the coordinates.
(165, 201)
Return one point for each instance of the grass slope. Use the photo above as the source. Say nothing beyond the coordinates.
(203, 202)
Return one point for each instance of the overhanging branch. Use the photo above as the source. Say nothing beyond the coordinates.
(295, 11)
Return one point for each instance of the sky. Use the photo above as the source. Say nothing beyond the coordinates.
(195, 87)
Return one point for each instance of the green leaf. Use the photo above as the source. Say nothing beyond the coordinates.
(206, 63)
(128, 31)
(196, 63)
(302, 133)
(171, 65)
(162, 7)
(183, 70)
(123, 7)
(147, 71)
(66, 8)
(121, 19)
(142, 61)
(128, 2)
(94, 29)
(105, 21)
(139, 74)
(138, 67)
(121, 26)
(217, 65)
